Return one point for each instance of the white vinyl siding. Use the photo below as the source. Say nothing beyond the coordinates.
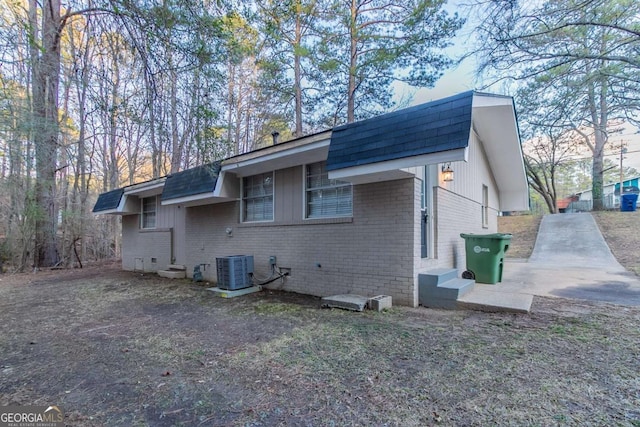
(257, 197)
(148, 212)
(326, 197)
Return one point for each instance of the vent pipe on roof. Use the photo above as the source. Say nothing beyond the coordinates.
(276, 137)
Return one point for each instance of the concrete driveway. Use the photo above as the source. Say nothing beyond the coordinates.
(572, 260)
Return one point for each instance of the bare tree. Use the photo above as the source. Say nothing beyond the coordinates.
(545, 158)
(581, 55)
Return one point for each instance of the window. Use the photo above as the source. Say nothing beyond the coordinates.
(148, 214)
(257, 197)
(326, 197)
(485, 206)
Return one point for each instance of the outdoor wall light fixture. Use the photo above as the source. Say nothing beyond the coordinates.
(229, 231)
(447, 173)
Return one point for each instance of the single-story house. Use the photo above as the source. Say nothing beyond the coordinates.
(564, 203)
(610, 194)
(362, 208)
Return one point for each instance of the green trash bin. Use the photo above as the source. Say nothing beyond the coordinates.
(485, 256)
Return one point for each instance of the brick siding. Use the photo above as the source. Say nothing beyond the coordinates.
(369, 254)
(151, 248)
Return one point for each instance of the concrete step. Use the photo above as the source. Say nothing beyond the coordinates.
(491, 299)
(172, 274)
(437, 276)
(178, 267)
(441, 288)
(448, 304)
(445, 294)
(460, 294)
(456, 288)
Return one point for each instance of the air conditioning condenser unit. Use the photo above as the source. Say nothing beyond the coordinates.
(234, 272)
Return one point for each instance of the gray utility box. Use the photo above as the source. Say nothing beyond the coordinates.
(234, 272)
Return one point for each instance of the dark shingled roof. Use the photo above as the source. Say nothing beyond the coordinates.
(198, 180)
(424, 129)
(109, 200)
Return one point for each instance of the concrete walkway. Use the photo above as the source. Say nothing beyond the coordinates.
(572, 260)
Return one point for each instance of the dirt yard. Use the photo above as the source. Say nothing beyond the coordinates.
(123, 349)
(621, 230)
(524, 229)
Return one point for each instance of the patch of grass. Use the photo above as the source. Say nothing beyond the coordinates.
(577, 329)
(524, 229)
(276, 308)
(134, 351)
(405, 375)
(621, 230)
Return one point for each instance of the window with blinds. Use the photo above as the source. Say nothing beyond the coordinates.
(257, 197)
(148, 214)
(326, 197)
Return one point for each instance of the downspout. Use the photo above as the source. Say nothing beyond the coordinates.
(172, 256)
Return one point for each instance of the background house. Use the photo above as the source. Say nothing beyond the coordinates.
(610, 195)
(363, 208)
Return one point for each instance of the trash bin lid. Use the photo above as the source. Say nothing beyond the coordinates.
(627, 189)
(494, 236)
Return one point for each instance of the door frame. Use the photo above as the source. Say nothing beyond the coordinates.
(429, 175)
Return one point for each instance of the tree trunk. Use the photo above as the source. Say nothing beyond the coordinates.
(230, 104)
(46, 77)
(176, 144)
(353, 63)
(540, 182)
(18, 194)
(114, 112)
(599, 116)
(80, 184)
(297, 70)
(597, 170)
(155, 150)
(237, 121)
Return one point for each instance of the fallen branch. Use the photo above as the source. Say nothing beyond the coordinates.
(97, 329)
(75, 251)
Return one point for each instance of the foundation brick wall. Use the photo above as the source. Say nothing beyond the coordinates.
(144, 246)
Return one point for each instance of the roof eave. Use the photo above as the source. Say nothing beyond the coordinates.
(495, 123)
(108, 212)
(146, 189)
(292, 156)
(197, 200)
(227, 189)
(126, 206)
(392, 169)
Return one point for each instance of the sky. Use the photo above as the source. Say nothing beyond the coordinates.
(462, 78)
(457, 79)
